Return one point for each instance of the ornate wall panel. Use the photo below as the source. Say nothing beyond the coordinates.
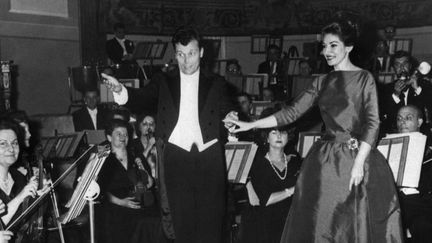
(246, 17)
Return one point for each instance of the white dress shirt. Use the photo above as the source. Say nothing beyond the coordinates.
(122, 44)
(93, 115)
(187, 130)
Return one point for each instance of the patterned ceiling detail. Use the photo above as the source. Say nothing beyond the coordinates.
(246, 17)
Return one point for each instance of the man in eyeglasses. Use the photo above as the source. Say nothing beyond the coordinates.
(191, 104)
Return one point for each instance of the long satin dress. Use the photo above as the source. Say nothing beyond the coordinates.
(323, 208)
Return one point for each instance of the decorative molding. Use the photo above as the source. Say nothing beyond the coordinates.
(248, 17)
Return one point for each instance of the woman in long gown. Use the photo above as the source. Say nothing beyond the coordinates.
(345, 191)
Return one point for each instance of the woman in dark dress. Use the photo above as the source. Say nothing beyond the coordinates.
(14, 188)
(145, 143)
(273, 176)
(345, 191)
(120, 178)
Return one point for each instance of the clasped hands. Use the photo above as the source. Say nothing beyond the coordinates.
(231, 121)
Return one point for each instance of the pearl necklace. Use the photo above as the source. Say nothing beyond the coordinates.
(276, 170)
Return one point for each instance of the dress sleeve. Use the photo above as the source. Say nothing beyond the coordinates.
(301, 104)
(370, 110)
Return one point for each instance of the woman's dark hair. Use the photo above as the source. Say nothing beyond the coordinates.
(19, 117)
(265, 132)
(9, 124)
(140, 118)
(184, 35)
(120, 111)
(346, 30)
(115, 123)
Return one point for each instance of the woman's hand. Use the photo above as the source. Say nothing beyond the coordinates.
(230, 116)
(151, 142)
(30, 189)
(357, 173)
(5, 236)
(129, 202)
(242, 126)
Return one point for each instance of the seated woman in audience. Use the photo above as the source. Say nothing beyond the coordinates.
(124, 181)
(145, 143)
(14, 188)
(273, 176)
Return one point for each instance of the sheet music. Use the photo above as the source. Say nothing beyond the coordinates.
(404, 153)
(395, 158)
(239, 158)
(236, 162)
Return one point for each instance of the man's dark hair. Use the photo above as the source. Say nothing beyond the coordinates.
(244, 94)
(273, 46)
(184, 35)
(402, 53)
(117, 26)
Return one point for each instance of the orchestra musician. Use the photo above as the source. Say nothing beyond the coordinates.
(14, 188)
(119, 179)
(416, 203)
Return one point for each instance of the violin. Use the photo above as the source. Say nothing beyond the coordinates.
(33, 229)
(143, 194)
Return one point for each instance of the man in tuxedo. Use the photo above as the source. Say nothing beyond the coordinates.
(416, 203)
(119, 49)
(273, 65)
(90, 117)
(407, 89)
(191, 104)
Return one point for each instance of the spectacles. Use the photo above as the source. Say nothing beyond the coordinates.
(192, 53)
(5, 144)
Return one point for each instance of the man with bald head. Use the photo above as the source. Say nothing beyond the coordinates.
(417, 207)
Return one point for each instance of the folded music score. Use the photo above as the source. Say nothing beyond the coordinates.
(239, 157)
(404, 153)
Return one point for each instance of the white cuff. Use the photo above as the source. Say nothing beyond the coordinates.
(121, 97)
(396, 99)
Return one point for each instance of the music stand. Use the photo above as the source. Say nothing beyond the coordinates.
(49, 191)
(149, 50)
(86, 190)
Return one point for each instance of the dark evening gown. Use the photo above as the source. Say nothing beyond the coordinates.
(323, 208)
(121, 224)
(264, 224)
